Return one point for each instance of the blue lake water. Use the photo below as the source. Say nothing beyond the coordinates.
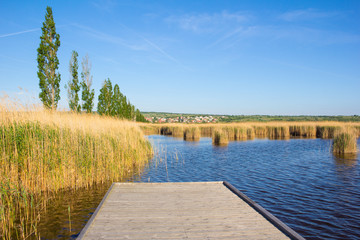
(297, 180)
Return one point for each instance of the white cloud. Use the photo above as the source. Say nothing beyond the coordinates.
(104, 5)
(306, 14)
(205, 23)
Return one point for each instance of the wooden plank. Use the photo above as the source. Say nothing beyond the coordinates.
(282, 226)
(206, 210)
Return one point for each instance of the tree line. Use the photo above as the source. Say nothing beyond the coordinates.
(111, 101)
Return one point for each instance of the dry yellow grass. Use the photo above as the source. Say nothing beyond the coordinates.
(68, 150)
(345, 141)
(42, 152)
(249, 130)
(192, 133)
(220, 137)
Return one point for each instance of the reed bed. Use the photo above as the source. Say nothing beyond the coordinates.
(177, 131)
(260, 131)
(345, 141)
(326, 131)
(206, 130)
(278, 132)
(251, 130)
(192, 134)
(228, 132)
(306, 131)
(43, 152)
(220, 137)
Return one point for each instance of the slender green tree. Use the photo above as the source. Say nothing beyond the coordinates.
(87, 94)
(112, 102)
(128, 113)
(132, 112)
(48, 63)
(117, 102)
(139, 116)
(105, 100)
(124, 107)
(73, 86)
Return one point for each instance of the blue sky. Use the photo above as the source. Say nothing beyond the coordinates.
(217, 57)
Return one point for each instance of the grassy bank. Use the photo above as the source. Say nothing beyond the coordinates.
(250, 130)
(42, 152)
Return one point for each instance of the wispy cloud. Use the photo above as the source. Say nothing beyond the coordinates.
(235, 35)
(205, 23)
(110, 38)
(160, 50)
(18, 33)
(157, 47)
(306, 14)
(144, 45)
(104, 5)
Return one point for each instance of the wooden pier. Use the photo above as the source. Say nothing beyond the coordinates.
(206, 210)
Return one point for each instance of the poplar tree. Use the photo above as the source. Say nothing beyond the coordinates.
(117, 102)
(48, 63)
(73, 86)
(139, 116)
(87, 94)
(112, 102)
(105, 100)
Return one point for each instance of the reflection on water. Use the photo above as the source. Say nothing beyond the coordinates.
(55, 222)
(345, 157)
(298, 180)
(67, 212)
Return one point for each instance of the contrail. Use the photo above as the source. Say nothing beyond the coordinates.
(17, 33)
(159, 49)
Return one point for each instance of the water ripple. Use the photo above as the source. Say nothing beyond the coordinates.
(297, 180)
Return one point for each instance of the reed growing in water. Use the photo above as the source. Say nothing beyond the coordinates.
(326, 131)
(220, 137)
(307, 131)
(344, 141)
(278, 132)
(260, 131)
(177, 131)
(250, 130)
(43, 152)
(192, 134)
(240, 133)
(229, 131)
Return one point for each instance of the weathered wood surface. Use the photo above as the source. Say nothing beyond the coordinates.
(176, 211)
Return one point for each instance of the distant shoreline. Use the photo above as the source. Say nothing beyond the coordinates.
(165, 117)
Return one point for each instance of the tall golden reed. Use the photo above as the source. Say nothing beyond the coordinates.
(344, 141)
(192, 134)
(220, 137)
(42, 151)
(250, 130)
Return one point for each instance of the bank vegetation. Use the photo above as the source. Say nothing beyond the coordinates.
(42, 152)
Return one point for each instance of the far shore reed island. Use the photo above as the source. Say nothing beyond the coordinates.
(344, 133)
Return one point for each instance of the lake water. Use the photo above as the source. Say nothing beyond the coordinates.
(298, 180)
